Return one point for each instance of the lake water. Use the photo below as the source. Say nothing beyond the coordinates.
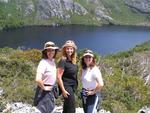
(103, 40)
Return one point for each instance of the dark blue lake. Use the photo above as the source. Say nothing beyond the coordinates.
(103, 40)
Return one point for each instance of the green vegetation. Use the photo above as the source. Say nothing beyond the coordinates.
(10, 17)
(124, 92)
(13, 14)
(124, 15)
(84, 20)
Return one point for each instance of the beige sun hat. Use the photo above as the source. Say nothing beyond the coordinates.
(50, 45)
(88, 53)
(69, 43)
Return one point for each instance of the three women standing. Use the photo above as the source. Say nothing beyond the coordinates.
(91, 79)
(67, 75)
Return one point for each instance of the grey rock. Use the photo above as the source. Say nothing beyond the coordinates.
(143, 67)
(1, 91)
(79, 9)
(26, 6)
(102, 15)
(19, 107)
(58, 8)
(49, 8)
(144, 110)
(5, 1)
(140, 5)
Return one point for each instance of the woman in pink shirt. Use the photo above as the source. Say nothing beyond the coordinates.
(46, 78)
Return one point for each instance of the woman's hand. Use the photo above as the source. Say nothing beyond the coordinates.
(47, 88)
(65, 94)
(90, 92)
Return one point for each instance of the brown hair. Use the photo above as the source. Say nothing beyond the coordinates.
(44, 54)
(84, 66)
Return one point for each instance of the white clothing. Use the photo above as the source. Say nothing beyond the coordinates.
(48, 70)
(90, 76)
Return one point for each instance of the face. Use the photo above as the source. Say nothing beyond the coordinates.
(88, 60)
(69, 50)
(50, 53)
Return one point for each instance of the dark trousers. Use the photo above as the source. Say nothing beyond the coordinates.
(69, 103)
(90, 103)
(44, 100)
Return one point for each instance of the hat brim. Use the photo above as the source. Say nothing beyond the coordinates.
(88, 54)
(69, 45)
(56, 48)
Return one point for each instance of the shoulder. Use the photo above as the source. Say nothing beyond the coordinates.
(62, 63)
(62, 60)
(95, 68)
(42, 61)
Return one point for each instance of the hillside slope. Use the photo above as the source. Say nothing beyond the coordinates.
(126, 77)
(14, 13)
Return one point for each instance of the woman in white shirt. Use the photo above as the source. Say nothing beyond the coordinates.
(92, 82)
(46, 78)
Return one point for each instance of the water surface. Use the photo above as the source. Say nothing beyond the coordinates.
(104, 40)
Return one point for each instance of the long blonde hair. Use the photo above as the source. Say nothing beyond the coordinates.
(73, 56)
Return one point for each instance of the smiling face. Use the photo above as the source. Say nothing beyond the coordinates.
(69, 50)
(88, 60)
(50, 53)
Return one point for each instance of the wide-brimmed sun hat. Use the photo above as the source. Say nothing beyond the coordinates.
(69, 43)
(88, 53)
(50, 45)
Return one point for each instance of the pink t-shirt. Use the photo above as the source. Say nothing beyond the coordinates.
(48, 70)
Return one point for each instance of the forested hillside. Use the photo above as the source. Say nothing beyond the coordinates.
(15, 13)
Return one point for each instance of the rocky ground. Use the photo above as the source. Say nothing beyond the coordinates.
(20, 107)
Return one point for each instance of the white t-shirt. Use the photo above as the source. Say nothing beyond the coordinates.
(48, 70)
(89, 77)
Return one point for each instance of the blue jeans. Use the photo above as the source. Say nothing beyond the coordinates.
(90, 103)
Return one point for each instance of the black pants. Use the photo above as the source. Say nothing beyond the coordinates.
(69, 103)
(44, 100)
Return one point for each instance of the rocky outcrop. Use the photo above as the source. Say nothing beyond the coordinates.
(144, 110)
(19, 107)
(143, 67)
(27, 7)
(5, 1)
(142, 6)
(98, 12)
(63, 9)
(137, 64)
(1, 91)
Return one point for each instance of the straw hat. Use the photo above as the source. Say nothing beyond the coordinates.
(88, 53)
(50, 45)
(69, 43)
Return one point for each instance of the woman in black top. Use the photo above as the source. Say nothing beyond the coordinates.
(67, 75)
